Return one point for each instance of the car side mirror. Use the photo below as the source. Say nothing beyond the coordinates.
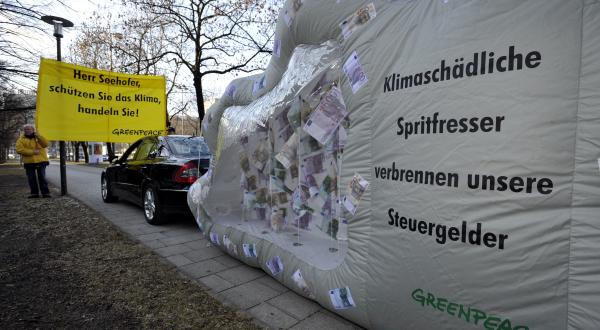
(152, 155)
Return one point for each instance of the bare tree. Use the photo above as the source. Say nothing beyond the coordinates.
(84, 149)
(130, 47)
(214, 36)
(15, 110)
(18, 23)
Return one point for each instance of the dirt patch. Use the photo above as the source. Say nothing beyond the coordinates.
(62, 265)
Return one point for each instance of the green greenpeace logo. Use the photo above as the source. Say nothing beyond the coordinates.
(467, 313)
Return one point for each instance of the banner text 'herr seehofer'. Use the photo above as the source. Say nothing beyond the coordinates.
(76, 103)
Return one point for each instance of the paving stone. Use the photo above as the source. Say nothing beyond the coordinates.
(175, 231)
(228, 260)
(341, 319)
(133, 216)
(172, 250)
(121, 221)
(295, 305)
(272, 316)
(203, 254)
(179, 239)
(241, 274)
(197, 244)
(142, 229)
(271, 283)
(215, 283)
(131, 212)
(123, 214)
(324, 320)
(156, 244)
(150, 237)
(203, 268)
(124, 221)
(179, 260)
(248, 295)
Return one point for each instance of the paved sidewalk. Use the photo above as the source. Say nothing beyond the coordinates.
(250, 289)
(234, 283)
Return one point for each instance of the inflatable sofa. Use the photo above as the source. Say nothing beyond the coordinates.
(428, 164)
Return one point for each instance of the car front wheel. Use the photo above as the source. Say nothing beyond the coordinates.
(105, 189)
(152, 212)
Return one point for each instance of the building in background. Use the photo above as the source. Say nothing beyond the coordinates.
(185, 125)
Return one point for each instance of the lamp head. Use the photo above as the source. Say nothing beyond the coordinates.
(58, 23)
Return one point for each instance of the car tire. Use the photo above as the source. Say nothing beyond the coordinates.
(151, 205)
(106, 190)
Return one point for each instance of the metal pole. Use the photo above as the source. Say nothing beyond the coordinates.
(63, 153)
(59, 23)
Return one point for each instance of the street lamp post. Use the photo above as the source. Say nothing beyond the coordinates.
(59, 23)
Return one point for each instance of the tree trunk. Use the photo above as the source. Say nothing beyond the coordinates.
(75, 151)
(86, 155)
(3, 153)
(199, 95)
(70, 147)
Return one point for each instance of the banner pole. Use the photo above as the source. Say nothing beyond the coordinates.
(63, 154)
(58, 24)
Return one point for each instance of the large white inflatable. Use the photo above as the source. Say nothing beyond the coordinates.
(428, 164)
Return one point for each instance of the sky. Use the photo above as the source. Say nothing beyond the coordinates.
(75, 11)
(78, 11)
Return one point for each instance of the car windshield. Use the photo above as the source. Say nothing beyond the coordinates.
(188, 146)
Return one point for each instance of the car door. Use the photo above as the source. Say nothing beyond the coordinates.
(139, 168)
(121, 181)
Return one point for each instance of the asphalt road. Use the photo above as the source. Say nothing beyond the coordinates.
(83, 182)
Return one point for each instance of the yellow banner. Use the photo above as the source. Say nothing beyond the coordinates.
(76, 103)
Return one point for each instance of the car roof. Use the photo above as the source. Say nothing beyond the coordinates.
(181, 136)
(171, 136)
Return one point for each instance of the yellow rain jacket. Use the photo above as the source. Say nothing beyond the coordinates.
(26, 148)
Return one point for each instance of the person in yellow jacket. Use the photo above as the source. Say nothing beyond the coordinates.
(32, 147)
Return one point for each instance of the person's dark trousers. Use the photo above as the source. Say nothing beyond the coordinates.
(36, 176)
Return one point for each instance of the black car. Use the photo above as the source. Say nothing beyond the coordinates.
(156, 173)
